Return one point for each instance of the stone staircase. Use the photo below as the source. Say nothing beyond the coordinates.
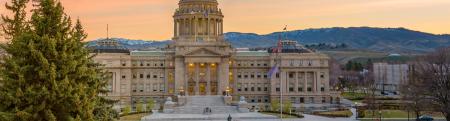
(197, 105)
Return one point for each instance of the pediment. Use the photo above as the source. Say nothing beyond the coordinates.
(203, 52)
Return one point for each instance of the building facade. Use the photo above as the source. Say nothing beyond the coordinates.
(200, 62)
(389, 77)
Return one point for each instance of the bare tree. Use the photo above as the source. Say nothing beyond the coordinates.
(434, 71)
(413, 93)
(335, 72)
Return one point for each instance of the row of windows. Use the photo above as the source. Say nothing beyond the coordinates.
(246, 87)
(257, 99)
(297, 100)
(145, 63)
(300, 63)
(148, 76)
(300, 89)
(252, 75)
(251, 64)
(148, 87)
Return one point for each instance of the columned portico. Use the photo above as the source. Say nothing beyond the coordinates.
(202, 78)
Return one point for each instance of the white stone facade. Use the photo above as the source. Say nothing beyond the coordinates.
(388, 77)
(201, 62)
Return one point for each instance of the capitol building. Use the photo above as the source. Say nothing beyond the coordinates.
(200, 62)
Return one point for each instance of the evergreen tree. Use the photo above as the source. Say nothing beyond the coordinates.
(48, 75)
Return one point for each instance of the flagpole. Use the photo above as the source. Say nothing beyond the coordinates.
(280, 50)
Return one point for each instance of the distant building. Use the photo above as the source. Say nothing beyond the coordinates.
(388, 77)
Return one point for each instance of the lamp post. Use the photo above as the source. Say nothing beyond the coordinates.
(356, 107)
(379, 112)
(181, 91)
(227, 91)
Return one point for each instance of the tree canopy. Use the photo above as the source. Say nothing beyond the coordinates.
(48, 74)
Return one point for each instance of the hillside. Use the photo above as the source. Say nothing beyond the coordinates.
(390, 40)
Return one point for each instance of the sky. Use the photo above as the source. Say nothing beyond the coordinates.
(152, 19)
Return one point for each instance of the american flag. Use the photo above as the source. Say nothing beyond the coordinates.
(275, 68)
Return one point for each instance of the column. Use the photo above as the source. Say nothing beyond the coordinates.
(174, 28)
(305, 86)
(315, 81)
(207, 28)
(197, 70)
(215, 27)
(179, 75)
(296, 82)
(283, 80)
(186, 77)
(195, 29)
(221, 27)
(208, 79)
(224, 70)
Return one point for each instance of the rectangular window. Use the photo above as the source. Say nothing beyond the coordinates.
(300, 89)
(155, 87)
(293, 99)
(277, 75)
(302, 100)
(291, 75)
(239, 87)
(322, 75)
(133, 87)
(141, 76)
(148, 76)
(323, 99)
(123, 76)
(277, 89)
(322, 89)
(309, 89)
(161, 88)
(134, 76)
(265, 76)
(245, 87)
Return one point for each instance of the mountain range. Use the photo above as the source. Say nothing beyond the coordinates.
(391, 40)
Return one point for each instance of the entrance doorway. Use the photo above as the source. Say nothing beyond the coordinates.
(202, 88)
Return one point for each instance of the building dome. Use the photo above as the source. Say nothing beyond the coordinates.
(187, 1)
(198, 21)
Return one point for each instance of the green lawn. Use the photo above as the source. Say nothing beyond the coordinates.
(346, 113)
(397, 114)
(278, 115)
(133, 117)
(353, 96)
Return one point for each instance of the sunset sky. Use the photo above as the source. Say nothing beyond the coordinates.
(152, 19)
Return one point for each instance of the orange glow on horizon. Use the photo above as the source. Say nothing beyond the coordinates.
(152, 19)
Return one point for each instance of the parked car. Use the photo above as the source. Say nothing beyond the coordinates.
(426, 118)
